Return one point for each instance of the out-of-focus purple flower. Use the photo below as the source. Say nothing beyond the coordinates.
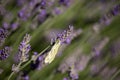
(66, 36)
(24, 14)
(116, 10)
(43, 3)
(14, 26)
(3, 34)
(24, 76)
(57, 11)
(38, 63)
(42, 15)
(73, 73)
(74, 76)
(35, 62)
(65, 2)
(33, 2)
(6, 25)
(24, 48)
(4, 53)
(107, 18)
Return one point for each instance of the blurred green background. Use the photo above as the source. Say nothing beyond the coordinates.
(82, 14)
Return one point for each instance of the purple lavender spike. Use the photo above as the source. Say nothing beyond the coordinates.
(66, 36)
(3, 34)
(116, 10)
(24, 48)
(4, 53)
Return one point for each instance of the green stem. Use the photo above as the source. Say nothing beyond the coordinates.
(10, 76)
(43, 51)
(25, 64)
(28, 62)
(14, 72)
(115, 75)
(35, 58)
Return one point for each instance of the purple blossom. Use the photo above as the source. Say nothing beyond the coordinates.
(65, 2)
(38, 63)
(57, 11)
(14, 26)
(24, 14)
(116, 10)
(25, 76)
(42, 15)
(24, 48)
(6, 25)
(3, 34)
(74, 76)
(66, 36)
(35, 63)
(107, 18)
(43, 3)
(4, 53)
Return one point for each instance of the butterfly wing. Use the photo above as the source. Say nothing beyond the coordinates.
(52, 53)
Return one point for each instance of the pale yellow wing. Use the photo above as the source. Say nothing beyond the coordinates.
(52, 53)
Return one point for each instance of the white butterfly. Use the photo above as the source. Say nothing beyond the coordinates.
(52, 53)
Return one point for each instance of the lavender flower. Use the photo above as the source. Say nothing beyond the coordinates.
(38, 63)
(14, 26)
(42, 15)
(4, 53)
(107, 18)
(15, 68)
(57, 11)
(64, 2)
(6, 25)
(43, 3)
(74, 75)
(24, 48)
(116, 10)
(23, 75)
(24, 13)
(66, 36)
(3, 34)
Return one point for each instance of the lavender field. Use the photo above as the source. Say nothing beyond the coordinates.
(59, 40)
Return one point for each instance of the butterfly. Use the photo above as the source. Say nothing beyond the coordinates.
(52, 53)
